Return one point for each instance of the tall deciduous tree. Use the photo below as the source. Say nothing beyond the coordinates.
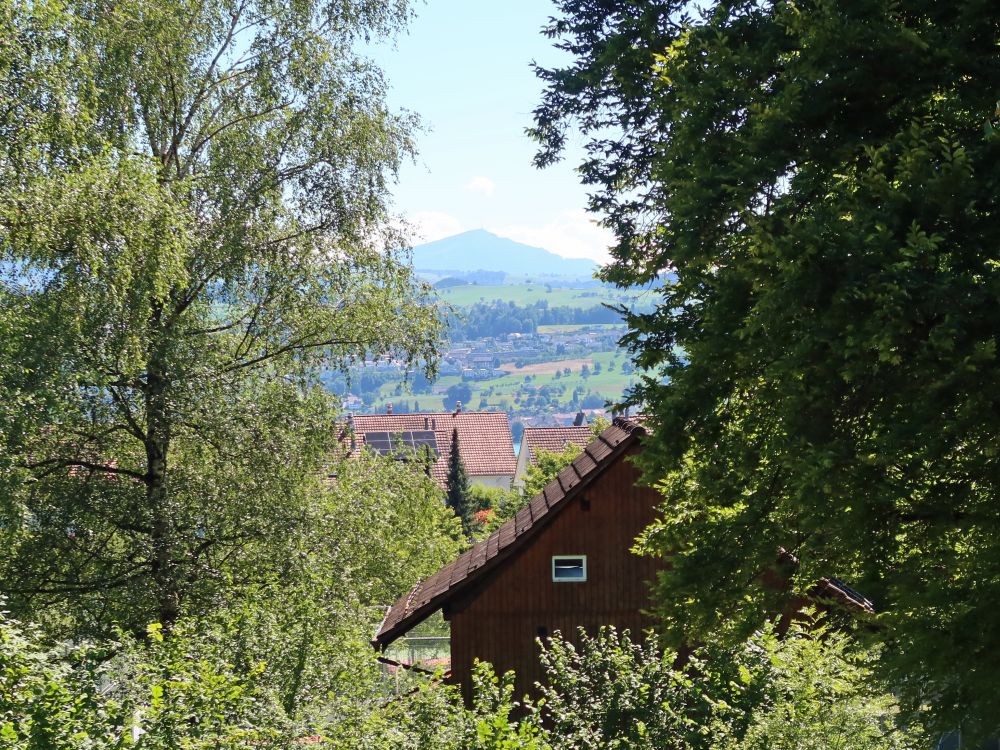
(815, 184)
(192, 225)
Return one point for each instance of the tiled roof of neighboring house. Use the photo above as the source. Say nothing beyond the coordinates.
(455, 577)
(553, 439)
(484, 439)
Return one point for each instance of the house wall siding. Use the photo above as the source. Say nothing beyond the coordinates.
(500, 620)
(491, 480)
(521, 468)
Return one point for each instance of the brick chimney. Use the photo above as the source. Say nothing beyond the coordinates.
(426, 423)
(458, 407)
(388, 408)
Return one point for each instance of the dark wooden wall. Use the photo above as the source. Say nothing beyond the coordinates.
(500, 620)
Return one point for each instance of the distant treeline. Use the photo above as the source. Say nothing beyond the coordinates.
(471, 277)
(498, 318)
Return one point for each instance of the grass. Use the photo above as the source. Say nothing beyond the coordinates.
(527, 294)
(608, 384)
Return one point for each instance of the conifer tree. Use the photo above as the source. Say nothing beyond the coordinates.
(459, 493)
(813, 188)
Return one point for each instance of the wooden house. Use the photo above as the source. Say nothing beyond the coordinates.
(561, 563)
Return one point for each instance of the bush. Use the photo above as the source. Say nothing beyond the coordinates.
(811, 690)
(168, 692)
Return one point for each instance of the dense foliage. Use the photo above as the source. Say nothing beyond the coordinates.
(192, 225)
(271, 662)
(192, 688)
(499, 318)
(545, 466)
(806, 690)
(175, 693)
(821, 179)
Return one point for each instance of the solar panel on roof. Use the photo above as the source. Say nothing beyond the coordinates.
(378, 442)
(402, 443)
(422, 438)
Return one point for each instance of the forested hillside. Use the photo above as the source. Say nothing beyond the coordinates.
(499, 318)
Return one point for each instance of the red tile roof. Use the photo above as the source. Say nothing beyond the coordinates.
(455, 577)
(553, 439)
(484, 439)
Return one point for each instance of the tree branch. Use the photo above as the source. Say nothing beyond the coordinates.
(288, 348)
(59, 463)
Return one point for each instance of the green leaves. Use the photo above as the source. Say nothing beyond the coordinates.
(52, 697)
(805, 690)
(193, 228)
(544, 468)
(812, 187)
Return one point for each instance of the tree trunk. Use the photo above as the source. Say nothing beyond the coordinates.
(157, 443)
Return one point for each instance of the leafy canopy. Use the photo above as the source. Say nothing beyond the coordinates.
(193, 226)
(545, 467)
(813, 185)
(286, 658)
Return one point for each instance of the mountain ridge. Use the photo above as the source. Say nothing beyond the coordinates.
(479, 250)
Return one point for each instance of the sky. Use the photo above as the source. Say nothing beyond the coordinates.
(464, 67)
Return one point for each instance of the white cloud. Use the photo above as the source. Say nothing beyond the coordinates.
(481, 185)
(433, 225)
(571, 234)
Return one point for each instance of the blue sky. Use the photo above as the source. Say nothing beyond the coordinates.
(464, 67)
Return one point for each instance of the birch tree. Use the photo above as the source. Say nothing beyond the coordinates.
(194, 224)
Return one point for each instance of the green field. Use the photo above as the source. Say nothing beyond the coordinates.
(526, 294)
(609, 384)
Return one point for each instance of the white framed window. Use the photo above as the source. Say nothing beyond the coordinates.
(569, 568)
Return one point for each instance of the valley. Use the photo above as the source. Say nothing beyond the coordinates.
(540, 348)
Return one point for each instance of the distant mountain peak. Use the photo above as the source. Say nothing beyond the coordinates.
(480, 250)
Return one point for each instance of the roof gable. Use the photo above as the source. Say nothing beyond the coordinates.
(472, 565)
(553, 439)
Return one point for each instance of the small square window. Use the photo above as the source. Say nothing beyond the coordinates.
(569, 568)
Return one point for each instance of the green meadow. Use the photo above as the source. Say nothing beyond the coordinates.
(528, 294)
(510, 391)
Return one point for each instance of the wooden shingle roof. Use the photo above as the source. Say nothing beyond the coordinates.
(471, 566)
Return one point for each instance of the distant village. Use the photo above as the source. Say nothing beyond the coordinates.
(481, 359)
(540, 378)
